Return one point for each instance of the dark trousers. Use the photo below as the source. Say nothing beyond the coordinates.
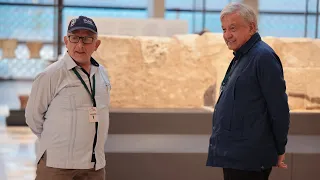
(234, 174)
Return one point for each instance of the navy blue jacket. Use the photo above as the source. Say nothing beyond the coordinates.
(251, 117)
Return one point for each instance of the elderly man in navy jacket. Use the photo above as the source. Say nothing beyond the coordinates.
(251, 117)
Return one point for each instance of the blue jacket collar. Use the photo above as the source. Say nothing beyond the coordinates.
(247, 46)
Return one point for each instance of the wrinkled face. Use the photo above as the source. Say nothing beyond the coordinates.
(236, 31)
(81, 44)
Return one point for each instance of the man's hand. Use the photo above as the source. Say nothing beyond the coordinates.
(280, 163)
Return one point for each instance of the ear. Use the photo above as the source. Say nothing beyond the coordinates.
(98, 42)
(65, 39)
(253, 28)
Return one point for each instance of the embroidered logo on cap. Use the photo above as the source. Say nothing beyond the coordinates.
(87, 21)
(73, 21)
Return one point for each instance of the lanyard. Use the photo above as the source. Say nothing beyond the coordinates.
(92, 93)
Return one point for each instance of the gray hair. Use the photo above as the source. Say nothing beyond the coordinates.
(246, 12)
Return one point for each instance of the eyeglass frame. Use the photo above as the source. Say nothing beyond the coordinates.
(82, 38)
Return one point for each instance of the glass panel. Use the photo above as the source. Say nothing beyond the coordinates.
(108, 3)
(281, 25)
(29, 1)
(287, 5)
(22, 67)
(27, 23)
(213, 22)
(186, 16)
(179, 4)
(94, 12)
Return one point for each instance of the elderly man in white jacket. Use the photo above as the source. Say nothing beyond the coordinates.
(68, 110)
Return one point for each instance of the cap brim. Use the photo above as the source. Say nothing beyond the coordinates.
(81, 28)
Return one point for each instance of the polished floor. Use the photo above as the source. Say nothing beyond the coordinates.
(17, 144)
(17, 157)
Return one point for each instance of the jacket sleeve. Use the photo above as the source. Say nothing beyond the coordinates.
(38, 102)
(105, 76)
(273, 87)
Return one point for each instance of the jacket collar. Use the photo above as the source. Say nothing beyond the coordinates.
(247, 46)
(71, 64)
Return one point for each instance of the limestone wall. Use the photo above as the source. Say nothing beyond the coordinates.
(186, 70)
(300, 58)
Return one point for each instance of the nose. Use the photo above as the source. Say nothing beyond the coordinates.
(80, 44)
(227, 34)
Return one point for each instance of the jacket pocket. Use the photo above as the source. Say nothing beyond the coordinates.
(250, 122)
(226, 118)
(103, 96)
(74, 98)
(235, 88)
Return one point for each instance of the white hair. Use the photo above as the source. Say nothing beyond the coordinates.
(246, 12)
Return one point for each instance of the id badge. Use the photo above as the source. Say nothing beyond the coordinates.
(93, 114)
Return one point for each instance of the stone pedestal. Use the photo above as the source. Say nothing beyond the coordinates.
(254, 4)
(23, 101)
(34, 49)
(8, 48)
(156, 8)
(1, 40)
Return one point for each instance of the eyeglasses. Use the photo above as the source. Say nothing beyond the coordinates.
(85, 39)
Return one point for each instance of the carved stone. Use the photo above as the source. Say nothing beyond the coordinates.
(34, 49)
(23, 101)
(186, 71)
(8, 48)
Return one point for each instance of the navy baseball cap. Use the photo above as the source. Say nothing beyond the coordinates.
(82, 22)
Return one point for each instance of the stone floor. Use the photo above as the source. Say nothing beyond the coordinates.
(17, 157)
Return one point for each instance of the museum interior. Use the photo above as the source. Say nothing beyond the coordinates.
(166, 60)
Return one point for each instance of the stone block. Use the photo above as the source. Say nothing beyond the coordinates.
(187, 70)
